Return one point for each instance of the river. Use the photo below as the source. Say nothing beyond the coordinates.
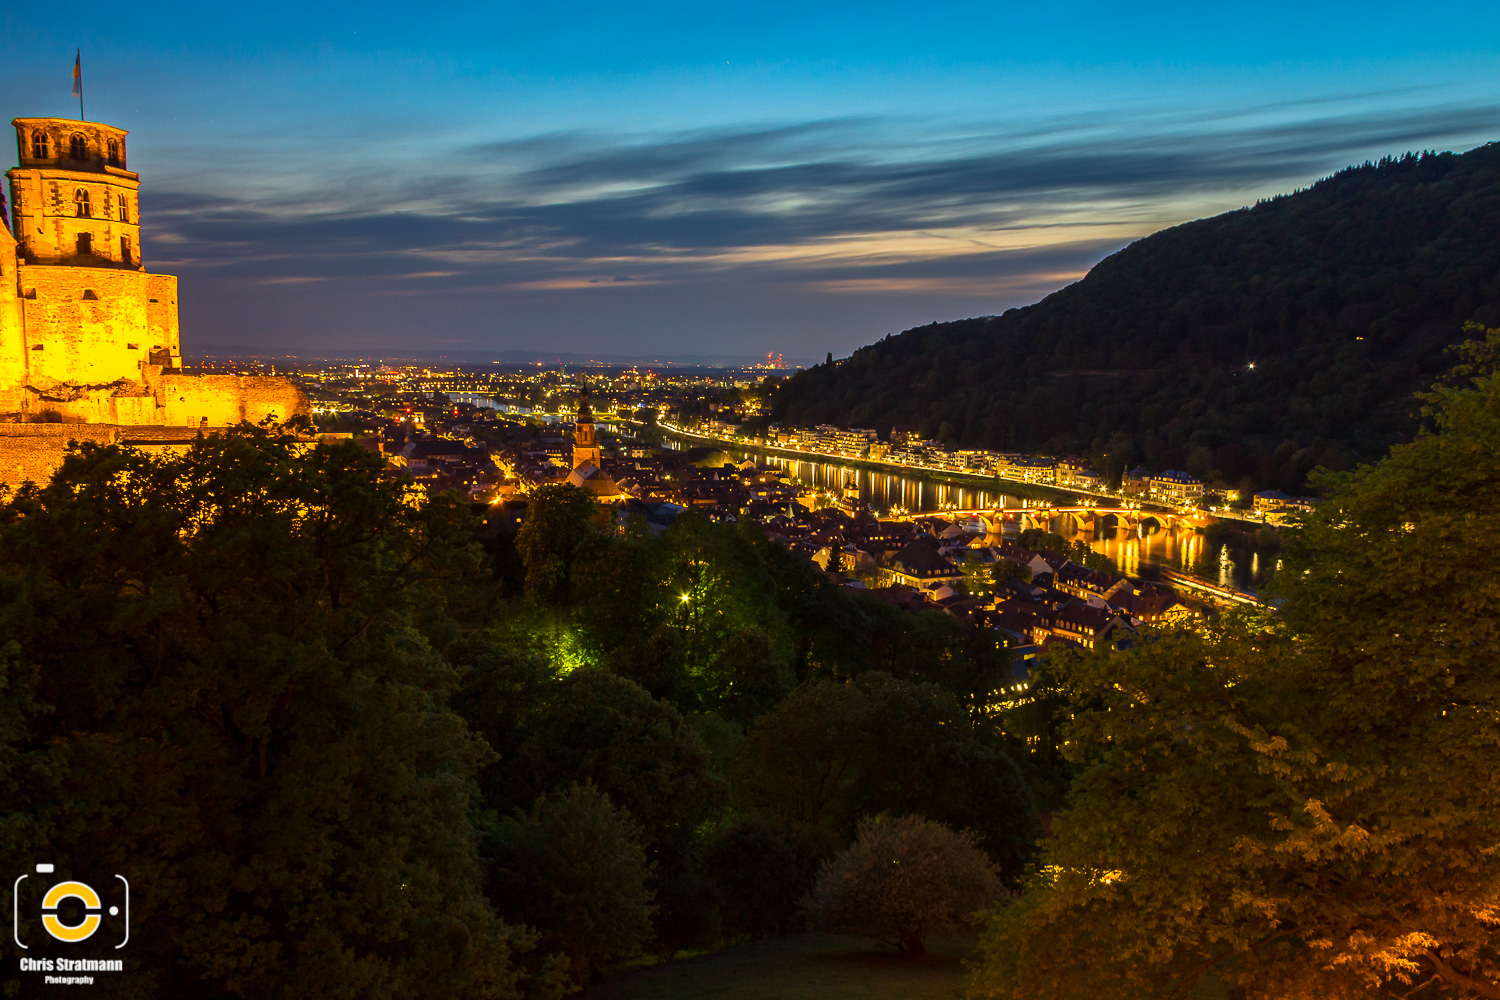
(1233, 560)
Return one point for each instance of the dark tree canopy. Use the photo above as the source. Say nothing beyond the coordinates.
(212, 681)
(832, 753)
(573, 867)
(901, 880)
(353, 740)
(596, 727)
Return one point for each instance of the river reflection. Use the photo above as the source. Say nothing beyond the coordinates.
(1234, 561)
(884, 490)
(1138, 552)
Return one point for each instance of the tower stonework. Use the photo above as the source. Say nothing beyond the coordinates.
(585, 442)
(71, 197)
(87, 334)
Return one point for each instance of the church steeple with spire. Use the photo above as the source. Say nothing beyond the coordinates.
(585, 443)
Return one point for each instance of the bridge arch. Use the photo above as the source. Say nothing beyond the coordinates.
(1077, 519)
(1115, 519)
(993, 522)
(1030, 519)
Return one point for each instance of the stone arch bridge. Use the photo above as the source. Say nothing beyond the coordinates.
(1093, 519)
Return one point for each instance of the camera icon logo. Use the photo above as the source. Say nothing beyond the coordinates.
(52, 918)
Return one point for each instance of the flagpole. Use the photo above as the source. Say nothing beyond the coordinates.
(78, 81)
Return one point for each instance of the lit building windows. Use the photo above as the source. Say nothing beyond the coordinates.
(40, 147)
(78, 147)
(81, 203)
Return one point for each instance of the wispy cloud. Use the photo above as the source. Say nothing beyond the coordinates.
(837, 207)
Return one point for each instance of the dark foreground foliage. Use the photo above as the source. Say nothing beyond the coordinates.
(213, 680)
(348, 741)
(1304, 804)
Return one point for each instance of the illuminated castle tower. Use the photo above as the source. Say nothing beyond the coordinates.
(73, 199)
(89, 314)
(86, 334)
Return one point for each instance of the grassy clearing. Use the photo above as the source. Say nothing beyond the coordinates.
(799, 967)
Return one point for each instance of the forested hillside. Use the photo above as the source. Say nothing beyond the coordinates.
(1343, 297)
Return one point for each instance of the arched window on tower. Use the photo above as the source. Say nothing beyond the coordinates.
(78, 147)
(41, 148)
(81, 202)
(124, 208)
(114, 152)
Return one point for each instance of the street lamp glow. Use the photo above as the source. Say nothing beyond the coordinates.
(686, 598)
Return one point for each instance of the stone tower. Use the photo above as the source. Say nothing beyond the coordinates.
(585, 444)
(87, 335)
(73, 201)
(89, 315)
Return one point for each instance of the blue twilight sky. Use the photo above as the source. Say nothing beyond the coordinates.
(725, 178)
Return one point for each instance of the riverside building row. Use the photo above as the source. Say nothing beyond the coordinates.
(1171, 486)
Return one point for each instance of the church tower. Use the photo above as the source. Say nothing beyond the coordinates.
(585, 444)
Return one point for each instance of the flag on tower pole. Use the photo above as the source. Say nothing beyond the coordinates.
(78, 81)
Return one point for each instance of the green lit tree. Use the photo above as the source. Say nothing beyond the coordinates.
(1084, 555)
(979, 578)
(1042, 540)
(713, 584)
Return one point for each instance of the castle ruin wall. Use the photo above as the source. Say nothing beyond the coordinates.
(93, 326)
(220, 400)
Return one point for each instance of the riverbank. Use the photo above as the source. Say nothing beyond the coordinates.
(1053, 495)
(989, 483)
(1220, 552)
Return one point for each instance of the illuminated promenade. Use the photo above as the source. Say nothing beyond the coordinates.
(1131, 508)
